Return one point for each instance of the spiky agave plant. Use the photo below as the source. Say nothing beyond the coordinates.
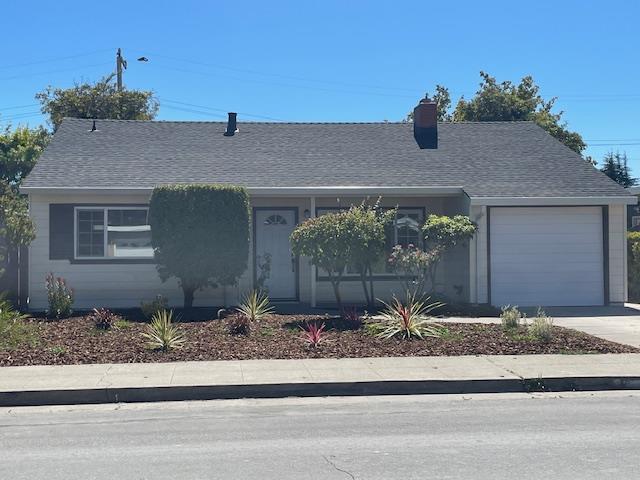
(409, 319)
(162, 333)
(255, 306)
(312, 333)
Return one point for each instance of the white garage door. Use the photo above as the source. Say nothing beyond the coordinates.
(547, 256)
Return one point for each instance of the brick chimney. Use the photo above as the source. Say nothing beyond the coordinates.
(425, 124)
(231, 125)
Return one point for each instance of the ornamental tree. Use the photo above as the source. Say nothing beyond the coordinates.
(442, 233)
(326, 240)
(367, 225)
(200, 235)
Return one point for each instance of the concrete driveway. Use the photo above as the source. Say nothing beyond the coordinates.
(619, 324)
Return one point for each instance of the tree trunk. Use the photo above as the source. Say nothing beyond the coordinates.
(363, 279)
(188, 296)
(371, 295)
(335, 283)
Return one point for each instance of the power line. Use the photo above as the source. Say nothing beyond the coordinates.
(54, 71)
(16, 107)
(51, 60)
(218, 109)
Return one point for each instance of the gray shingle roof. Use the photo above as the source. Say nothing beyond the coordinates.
(486, 159)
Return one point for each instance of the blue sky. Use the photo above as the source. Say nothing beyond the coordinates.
(332, 60)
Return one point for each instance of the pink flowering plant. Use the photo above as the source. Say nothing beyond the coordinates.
(414, 267)
(60, 297)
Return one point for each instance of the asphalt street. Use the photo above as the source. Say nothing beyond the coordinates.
(502, 436)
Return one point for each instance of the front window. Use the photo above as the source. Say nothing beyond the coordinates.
(113, 232)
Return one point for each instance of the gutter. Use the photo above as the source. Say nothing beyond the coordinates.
(552, 201)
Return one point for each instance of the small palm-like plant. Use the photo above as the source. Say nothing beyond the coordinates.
(255, 306)
(162, 333)
(409, 319)
(313, 334)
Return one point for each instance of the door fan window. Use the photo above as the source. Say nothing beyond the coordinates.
(275, 220)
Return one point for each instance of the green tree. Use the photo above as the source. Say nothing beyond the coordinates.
(19, 151)
(615, 166)
(327, 241)
(442, 97)
(98, 100)
(506, 101)
(442, 233)
(200, 235)
(367, 225)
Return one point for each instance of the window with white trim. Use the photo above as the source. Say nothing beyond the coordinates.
(405, 231)
(112, 232)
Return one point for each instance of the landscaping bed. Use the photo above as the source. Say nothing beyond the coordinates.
(76, 340)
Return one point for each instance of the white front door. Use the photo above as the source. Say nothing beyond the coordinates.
(275, 266)
(546, 256)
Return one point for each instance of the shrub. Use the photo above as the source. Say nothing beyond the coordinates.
(313, 334)
(633, 265)
(326, 240)
(162, 333)
(239, 324)
(103, 318)
(255, 306)
(60, 297)
(511, 317)
(149, 309)
(14, 330)
(409, 319)
(200, 235)
(412, 266)
(352, 318)
(541, 328)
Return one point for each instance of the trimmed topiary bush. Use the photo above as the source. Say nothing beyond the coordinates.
(633, 265)
(200, 235)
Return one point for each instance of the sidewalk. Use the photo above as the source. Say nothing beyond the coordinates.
(51, 385)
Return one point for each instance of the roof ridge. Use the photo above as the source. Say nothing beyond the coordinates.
(256, 122)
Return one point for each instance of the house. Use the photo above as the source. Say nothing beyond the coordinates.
(551, 227)
(633, 211)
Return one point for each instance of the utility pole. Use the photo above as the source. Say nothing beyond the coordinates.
(120, 64)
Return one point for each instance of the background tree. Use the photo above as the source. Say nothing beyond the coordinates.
(367, 225)
(614, 166)
(506, 101)
(98, 100)
(442, 97)
(200, 235)
(327, 241)
(19, 151)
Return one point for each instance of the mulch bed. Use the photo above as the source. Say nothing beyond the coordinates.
(77, 341)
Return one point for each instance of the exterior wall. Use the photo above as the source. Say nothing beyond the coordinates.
(617, 254)
(126, 285)
(478, 253)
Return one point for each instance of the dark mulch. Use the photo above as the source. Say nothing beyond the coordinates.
(76, 340)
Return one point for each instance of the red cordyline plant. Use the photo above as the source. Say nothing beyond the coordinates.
(59, 295)
(409, 319)
(352, 318)
(312, 333)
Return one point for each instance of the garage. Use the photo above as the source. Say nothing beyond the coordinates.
(547, 256)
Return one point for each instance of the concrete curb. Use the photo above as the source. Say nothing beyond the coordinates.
(324, 389)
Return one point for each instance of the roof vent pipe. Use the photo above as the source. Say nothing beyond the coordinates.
(231, 125)
(425, 124)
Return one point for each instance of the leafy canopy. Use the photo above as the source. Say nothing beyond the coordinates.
(441, 231)
(200, 235)
(507, 101)
(98, 100)
(615, 166)
(326, 240)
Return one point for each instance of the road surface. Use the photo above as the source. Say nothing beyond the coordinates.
(504, 436)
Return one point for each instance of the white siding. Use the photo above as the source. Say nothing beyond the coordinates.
(617, 253)
(126, 285)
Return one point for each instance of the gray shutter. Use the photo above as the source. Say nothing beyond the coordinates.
(61, 220)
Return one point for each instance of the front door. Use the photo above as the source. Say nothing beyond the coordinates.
(274, 265)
